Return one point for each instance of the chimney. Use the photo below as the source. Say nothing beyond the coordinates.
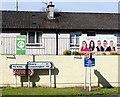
(50, 11)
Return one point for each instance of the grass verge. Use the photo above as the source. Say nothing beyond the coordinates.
(61, 92)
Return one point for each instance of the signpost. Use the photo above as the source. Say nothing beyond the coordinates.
(16, 80)
(23, 72)
(27, 69)
(39, 65)
(88, 62)
(21, 45)
(18, 66)
(33, 65)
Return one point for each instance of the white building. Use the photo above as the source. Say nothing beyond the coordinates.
(50, 33)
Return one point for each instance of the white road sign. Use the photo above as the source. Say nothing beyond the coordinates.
(18, 66)
(39, 65)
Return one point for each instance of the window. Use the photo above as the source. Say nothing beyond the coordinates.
(118, 41)
(33, 37)
(75, 39)
(118, 37)
(91, 33)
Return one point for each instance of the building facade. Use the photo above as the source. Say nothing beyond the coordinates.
(50, 33)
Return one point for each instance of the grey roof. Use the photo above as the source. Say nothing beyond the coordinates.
(63, 20)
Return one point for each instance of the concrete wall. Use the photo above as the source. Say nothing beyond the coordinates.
(69, 71)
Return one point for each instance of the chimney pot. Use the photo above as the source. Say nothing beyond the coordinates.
(50, 11)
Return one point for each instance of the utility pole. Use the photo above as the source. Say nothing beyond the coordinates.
(16, 5)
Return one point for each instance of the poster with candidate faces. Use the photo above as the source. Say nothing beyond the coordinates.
(98, 43)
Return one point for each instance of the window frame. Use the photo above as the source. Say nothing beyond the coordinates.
(75, 34)
(40, 43)
(91, 33)
(118, 40)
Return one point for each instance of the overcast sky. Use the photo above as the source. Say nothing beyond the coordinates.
(102, 6)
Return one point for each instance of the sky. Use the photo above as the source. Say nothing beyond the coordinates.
(101, 6)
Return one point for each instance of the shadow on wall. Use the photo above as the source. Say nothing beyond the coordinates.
(36, 76)
(102, 80)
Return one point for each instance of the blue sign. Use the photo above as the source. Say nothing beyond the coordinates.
(89, 62)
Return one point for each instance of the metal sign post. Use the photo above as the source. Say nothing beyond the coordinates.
(27, 69)
(88, 62)
(85, 77)
(16, 81)
(28, 81)
(90, 80)
(50, 78)
(28, 75)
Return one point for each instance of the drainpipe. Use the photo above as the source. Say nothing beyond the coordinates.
(56, 43)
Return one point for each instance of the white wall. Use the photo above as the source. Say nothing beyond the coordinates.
(49, 42)
(9, 34)
(48, 45)
(69, 72)
(63, 42)
(8, 43)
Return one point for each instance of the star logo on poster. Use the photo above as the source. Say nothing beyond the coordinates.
(21, 44)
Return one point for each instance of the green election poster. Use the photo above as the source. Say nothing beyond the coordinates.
(21, 45)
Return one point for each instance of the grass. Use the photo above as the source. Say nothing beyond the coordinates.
(76, 91)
